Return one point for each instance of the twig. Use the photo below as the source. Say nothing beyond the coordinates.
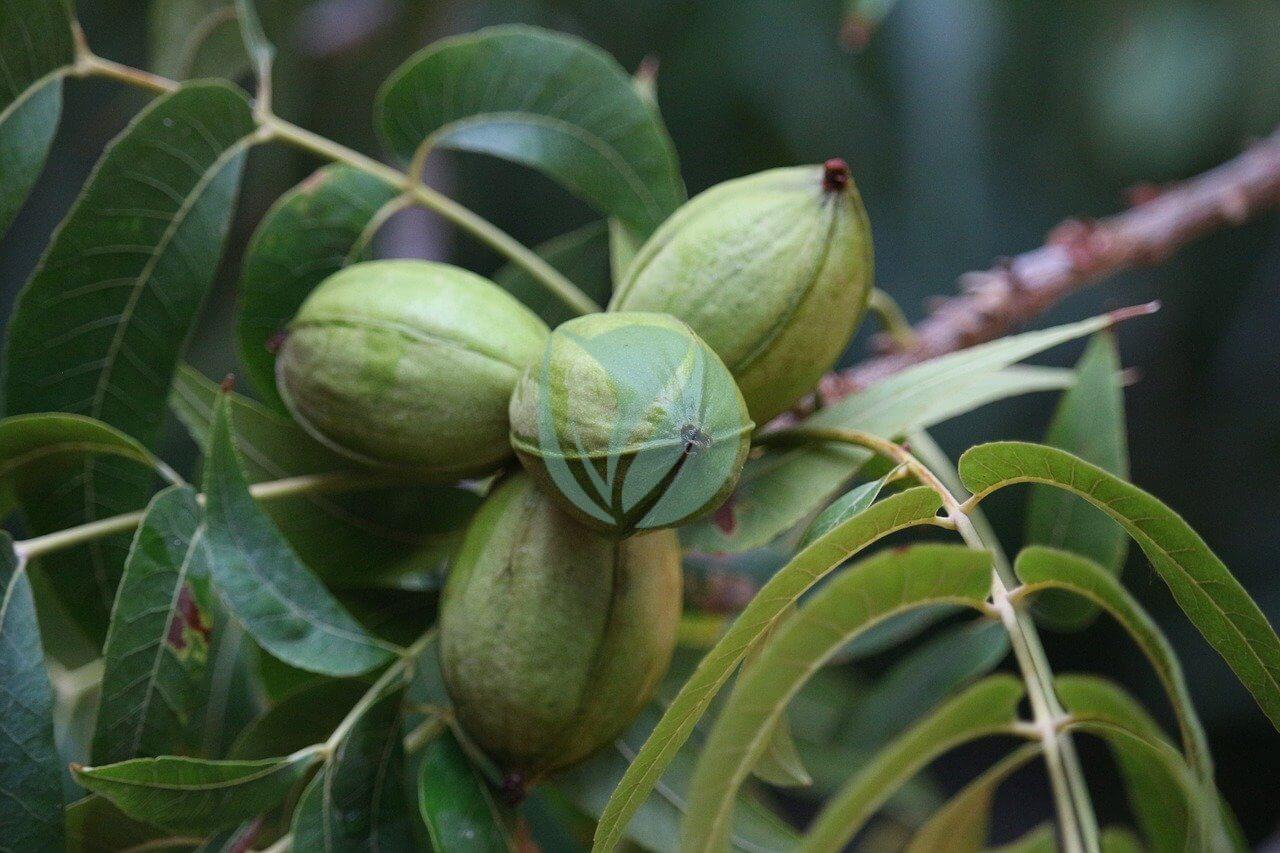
(1078, 254)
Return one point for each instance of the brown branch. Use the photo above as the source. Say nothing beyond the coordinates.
(1078, 254)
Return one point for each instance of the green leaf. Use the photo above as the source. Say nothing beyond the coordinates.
(95, 825)
(896, 512)
(546, 100)
(311, 232)
(923, 678)
(256, 43)
(195, 795)
(779, 763)
(1206, 591)
(154, 682)
(988, 707)
(963, 824)
(457, 804)
(1175, 810)
(1118, 839)
(581, 255)
(846, 506)
(657, 821)
(1042, 839)
(36, 51)
(387, 535)
(30, 769)
(780, 489)
(99, 327)
(1042, 568)
(38, 449)
(190, 39)
(1089, 422)
(878, 587)
(357, 800)
(264, 586)
(308, 715)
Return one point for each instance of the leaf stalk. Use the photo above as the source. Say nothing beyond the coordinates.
(1077, 822)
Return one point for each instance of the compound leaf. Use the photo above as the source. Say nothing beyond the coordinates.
(311, 232)
(1175, 809)
(871, 590)
(896, 512)
(155, 675)
(1041, 568)
(282, 605)
(1206, 591)
(1089, 422)
(546, 100)
(99, 327)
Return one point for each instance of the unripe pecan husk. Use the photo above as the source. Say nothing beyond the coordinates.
(552, 637)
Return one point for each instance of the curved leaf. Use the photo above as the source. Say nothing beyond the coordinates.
(1042, 568)
(193, 795)
(896, 512)
(36, 50)
(398, 535)
(95, 825)
(36, 449)
(98, 329)
(1175, 810)
(921, 679)
(264, 586)
(543, 99)
(311, 232)
(962, 825)
(846, 506)
(1042, 839)
(779, 490)
(588, 786)
(189, 39)
(988, 707)
(457, 804)
(1206, 591)
(867, 592)
(1089, 422)
(357, 800)
(30, 769)
(308, 715)
(154, 682)
(581, 255)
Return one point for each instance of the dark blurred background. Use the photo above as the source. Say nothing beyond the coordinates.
(972, 126)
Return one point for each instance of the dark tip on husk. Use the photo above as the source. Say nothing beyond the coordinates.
(835, 175)
(513, 789)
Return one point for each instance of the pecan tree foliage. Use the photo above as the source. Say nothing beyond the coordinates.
(264, 668)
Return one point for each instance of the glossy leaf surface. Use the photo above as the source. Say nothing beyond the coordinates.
(99, 327)
(549, 101)
(263, 584)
